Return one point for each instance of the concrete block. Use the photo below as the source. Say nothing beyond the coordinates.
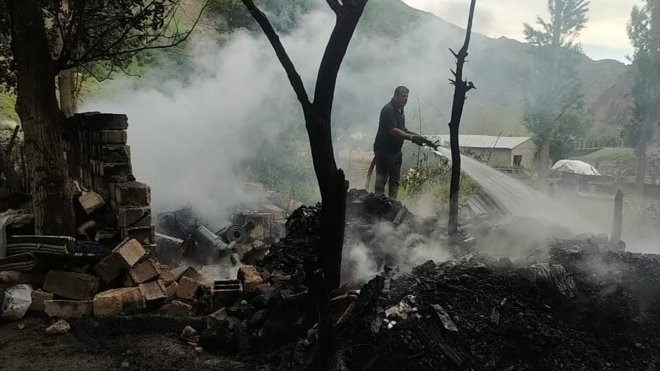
(146, 235)
(115, 153)
(101, 121)
(134, 216)
(117, 301)
(170, 291)
(153, 290)
(187, 288)
(111, 137)
(250, 277)
(68, 308)
(166, 275)
(144, 271)
(71, 285)
(115, 170)
(133, 194)
(38, 299)
(176, 308)
(123, 257)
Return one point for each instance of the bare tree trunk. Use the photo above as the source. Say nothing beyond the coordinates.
(37, 109)
(544, 159)
(460, 90)
(332, 182)
(66, 83)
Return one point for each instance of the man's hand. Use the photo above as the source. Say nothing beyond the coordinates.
(421, 141)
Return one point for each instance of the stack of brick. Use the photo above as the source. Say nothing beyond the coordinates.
(128, 280)
(100, 159)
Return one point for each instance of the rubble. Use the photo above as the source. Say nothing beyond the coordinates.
(59, 327)
(574, 305)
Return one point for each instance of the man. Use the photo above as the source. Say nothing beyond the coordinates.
(389, 140)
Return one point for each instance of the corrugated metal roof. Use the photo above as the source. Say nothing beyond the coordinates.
(482, 141)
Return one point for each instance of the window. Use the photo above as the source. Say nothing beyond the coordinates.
(517, 160)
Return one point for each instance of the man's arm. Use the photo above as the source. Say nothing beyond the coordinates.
(401, 133)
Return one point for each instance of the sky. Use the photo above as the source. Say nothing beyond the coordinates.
(604, 38)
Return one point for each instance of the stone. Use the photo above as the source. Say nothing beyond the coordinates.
(216, 318)
(71, 285)
(68, 308)
(59, 327)
(100, 121)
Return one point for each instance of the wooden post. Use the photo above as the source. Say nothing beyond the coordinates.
(617, 220)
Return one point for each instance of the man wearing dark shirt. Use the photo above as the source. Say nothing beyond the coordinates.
(389, 140)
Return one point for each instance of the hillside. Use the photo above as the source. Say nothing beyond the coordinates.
(396, 44)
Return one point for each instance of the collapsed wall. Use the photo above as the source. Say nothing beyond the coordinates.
(100, 160)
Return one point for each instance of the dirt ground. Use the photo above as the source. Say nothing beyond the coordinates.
(30, 348)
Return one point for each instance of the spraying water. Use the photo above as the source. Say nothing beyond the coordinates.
(520, 199)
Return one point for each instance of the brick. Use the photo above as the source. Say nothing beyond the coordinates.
(187, 288)
(111, 137)
(68, 308)
(123, 257)
(115, 153)
(144, 271)
(153, 290)
(134, 216)
(38, 299)
(146, 235)
(71, 285)
(101, 121)
(250, 278)
(133, 194)
(176, 308)
(117, 301)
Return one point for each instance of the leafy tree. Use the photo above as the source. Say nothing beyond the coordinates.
(79, 33)
(554, 108)
(644, 34)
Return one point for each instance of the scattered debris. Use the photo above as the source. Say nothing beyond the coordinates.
(59, 327)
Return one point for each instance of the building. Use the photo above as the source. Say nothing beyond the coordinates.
(496, 151)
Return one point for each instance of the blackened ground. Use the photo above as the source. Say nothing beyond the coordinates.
(505, 321)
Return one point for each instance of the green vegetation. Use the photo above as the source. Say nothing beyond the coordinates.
(433, 179)
(286, 167)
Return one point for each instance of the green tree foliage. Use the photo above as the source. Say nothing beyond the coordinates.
(554, 109)
(640, 129)
(226, 16)
(644, 34)
(39, 39)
